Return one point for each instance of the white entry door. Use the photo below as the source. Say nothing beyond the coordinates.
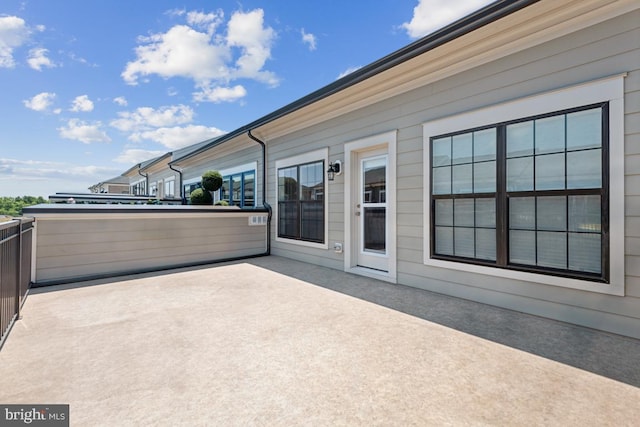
(371, 210)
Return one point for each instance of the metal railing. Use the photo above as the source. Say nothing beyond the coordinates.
(15, 270)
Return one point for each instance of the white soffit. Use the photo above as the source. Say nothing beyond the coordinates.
(528, 27)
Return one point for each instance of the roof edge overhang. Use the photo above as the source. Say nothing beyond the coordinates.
(465, 25)
(155, 161)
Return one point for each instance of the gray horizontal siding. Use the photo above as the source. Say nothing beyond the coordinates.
(71, 249)
(605, 49)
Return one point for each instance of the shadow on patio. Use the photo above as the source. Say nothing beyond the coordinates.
(271, 341)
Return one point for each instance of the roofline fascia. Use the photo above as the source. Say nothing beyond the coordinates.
(156, 161)
(487, 15)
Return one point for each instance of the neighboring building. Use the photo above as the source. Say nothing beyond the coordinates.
(496, 160)
(139, 183)
(162, 180)
(238, 163)
(117, 185)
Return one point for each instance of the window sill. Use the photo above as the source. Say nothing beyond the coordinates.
(303, 243)
(544, 279)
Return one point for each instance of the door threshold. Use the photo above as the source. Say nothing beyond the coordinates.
(373, 273)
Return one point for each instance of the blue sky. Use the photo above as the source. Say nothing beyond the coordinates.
(89, 88)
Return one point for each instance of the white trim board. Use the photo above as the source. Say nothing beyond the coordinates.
(313, 156)
(387, 140)
(609, 89)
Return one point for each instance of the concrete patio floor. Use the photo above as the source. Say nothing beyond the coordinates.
(270, 341)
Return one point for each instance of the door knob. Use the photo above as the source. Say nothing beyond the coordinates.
(358, 213)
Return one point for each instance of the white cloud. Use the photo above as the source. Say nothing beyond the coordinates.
(38, 59)
(211, 59)
(348, 71)
(146, 118)
(309, 39)
(13, 34)
(82, 103)
(43, 178)
(247, 31)
(178, 137)
(81, 60)
(180, 52)
(84, 132)
(205, 21)
(121, 101)
(431, 15)
(40, 102)
(136, 155)
(220, 94)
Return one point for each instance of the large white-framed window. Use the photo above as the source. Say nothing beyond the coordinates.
(531, 189)
(301, 209)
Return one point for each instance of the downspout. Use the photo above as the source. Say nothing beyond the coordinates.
(146, 177)
(179, 182)
(264, 189)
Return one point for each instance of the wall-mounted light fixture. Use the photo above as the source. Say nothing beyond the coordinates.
(335, 168)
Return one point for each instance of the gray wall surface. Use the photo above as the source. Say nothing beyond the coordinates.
(71, 248)
(606, 49)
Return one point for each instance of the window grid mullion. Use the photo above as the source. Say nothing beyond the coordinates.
(502, 209)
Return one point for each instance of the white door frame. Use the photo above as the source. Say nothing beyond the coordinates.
(351, 167)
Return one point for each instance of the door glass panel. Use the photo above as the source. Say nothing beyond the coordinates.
(375, 174)
(375, 229)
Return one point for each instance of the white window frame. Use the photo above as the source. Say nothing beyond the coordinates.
(136, 183)
(609, 89)
(164, 188)
(313, 156)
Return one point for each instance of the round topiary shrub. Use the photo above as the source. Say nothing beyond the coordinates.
(211, 180)
(201, 197)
